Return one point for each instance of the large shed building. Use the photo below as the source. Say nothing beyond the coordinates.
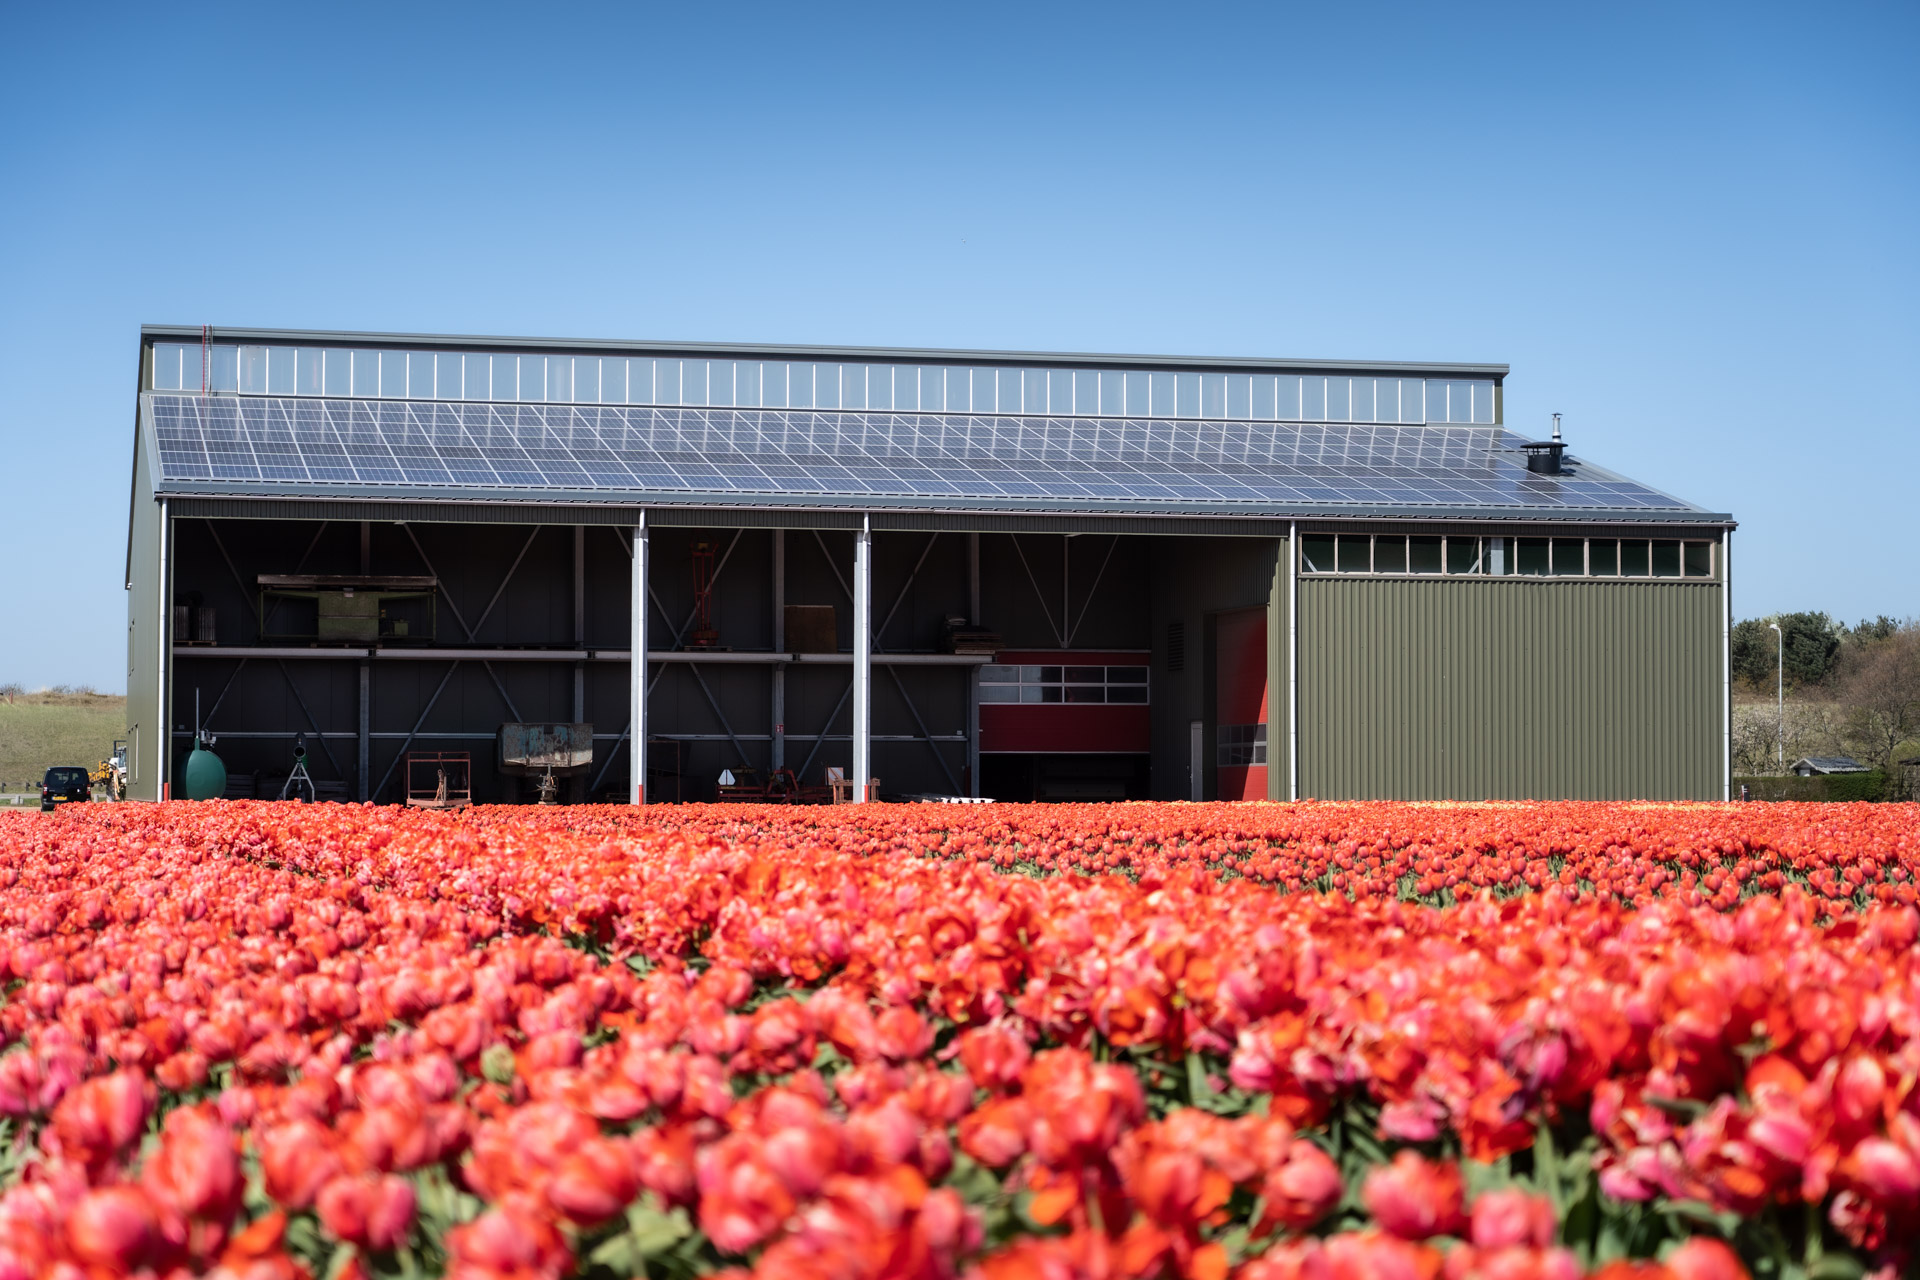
(1020, 575)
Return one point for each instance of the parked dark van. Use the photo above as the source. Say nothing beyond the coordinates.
(63, 783)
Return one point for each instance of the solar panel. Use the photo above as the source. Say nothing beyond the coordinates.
(265, 444)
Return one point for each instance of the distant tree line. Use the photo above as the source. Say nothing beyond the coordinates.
(1857, 688)
(1816, 648)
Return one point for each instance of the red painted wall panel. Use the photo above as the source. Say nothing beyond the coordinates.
(1240, 696)
(1241, 668)
(1019, 726)
(1245, 782)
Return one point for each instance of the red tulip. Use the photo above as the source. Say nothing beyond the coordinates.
(594, 1183)
(104, 1116)
(1512, 1217)
(1415, 1199)
(1304, 1189)
(1705, 1259)
(296, 1160)
(371, 1210)
(196, 1169)
(112, 1227)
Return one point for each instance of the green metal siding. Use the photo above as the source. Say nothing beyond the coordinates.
(1474, 689)
(145, 741)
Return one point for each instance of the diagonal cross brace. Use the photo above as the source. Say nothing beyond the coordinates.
(412, 733)
(1038, 593)
(319, 735)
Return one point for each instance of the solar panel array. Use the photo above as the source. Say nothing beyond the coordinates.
(272, 445)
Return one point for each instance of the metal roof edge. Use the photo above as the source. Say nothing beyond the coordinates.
(571, 499)
(811, 351)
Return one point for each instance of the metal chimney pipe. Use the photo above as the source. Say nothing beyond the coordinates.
(1543, 456)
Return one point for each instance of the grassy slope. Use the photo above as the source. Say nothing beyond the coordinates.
(42, 729)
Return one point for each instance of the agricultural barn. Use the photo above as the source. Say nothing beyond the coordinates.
(1019, 575)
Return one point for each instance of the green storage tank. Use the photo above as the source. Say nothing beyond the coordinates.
(206, 775)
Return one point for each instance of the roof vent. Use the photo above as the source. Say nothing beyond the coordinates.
(1543, 456)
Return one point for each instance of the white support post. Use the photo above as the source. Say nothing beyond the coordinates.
(637, 670)
(862, 660)
(162, 724)
(973, 673)
(778, 759)
(1293, 660)
(1726, 665)
(366, 726)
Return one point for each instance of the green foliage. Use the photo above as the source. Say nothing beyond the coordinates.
(1835, 787)
(39, 730)
(652, 1241)
(1808, 646)
(1866, 633)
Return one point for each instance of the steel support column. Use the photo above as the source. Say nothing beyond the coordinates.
(973, 676)
(366, 728)
(579, 621)
(1726, 664)
(862, 660)
(1293, 660)
(973, 732)
(779, 748)
(163, 721)
(973, 579)
(637, 670)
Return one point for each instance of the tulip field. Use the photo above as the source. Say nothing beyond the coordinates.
(926, 1042)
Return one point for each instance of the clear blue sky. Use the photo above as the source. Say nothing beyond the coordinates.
(1691, 229)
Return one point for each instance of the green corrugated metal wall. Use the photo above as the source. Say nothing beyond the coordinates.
(1474, 689)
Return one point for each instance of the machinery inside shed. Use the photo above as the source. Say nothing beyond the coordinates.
(862, 574)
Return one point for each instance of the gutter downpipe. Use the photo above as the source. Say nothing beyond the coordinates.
(1293, 660)
(1726, 665)
(637, 668)
(161, 744)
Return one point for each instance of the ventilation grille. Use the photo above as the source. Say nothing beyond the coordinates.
(1176, 646)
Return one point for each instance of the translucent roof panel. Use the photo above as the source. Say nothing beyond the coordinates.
(275, 446)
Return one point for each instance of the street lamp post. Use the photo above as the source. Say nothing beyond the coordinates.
(1780, 692)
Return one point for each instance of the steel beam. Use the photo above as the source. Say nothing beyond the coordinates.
(365, 728)
(1293, 660)
(300, 564)
(502, 588)
(1074, 629)
(659, 657)
(973, 676)
(163, 738)
(862, 661)
(246, 596)
(973, 579)
(401, 754)
(820, 739)
(579, 621)
(312, 723)
(925, 735)
(725, 726)
(896, 659)
(637, 669)
(880, 631)
(973, 732)
(1038, 593)
(613, 753)
(778, 755)
(1726, 664)
(222, 696)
